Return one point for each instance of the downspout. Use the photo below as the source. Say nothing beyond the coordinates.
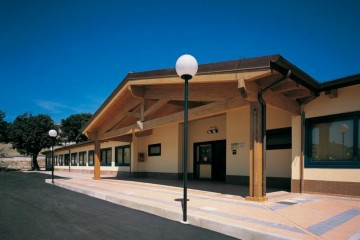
(263, 126)
(302, 149)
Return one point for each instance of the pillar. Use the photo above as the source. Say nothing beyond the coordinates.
(97, 159)
(256, 156)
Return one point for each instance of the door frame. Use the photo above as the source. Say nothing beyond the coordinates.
(196, 170)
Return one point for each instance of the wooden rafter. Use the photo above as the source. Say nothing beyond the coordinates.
(195, 113)
(250, 90)
(197, 92)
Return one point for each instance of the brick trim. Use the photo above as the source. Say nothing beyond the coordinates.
(327, 187)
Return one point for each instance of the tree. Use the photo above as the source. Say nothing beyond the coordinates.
(29, 135)
(71, 127)
(3, 128)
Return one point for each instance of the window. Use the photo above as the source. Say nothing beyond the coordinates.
(333, 141)
(204, 154)
(74, 159)
(56, 160)
(122, 156)
(61, 158)
(105, 157)
(82, 158)
(154, 149)
(66, 159)
(278, 139)
(91, 158)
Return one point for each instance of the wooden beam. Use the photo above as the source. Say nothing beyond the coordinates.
(277, 100)
(197, 92)
(296, 94)
(124, 138)
(156, 106)
(144, 133)
(286, 86)
(136, 91)
(112, 121)
(283, 103)
(248, 89)
(194, 113)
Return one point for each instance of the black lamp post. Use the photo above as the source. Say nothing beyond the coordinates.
(52, 134)
(186, 68)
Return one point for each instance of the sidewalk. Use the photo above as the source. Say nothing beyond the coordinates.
(284, 216)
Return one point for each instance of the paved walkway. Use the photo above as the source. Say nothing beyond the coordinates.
(284, 216)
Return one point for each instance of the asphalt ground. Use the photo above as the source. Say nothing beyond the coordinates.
(32, 209)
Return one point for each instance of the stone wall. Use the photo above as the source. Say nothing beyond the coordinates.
(20, 163)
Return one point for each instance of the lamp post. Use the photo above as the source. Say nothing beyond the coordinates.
(52, 134)
(186, 68)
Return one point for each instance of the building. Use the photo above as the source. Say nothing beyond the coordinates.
(312, 129)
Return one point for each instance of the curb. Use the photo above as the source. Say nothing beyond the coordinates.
(232, 230)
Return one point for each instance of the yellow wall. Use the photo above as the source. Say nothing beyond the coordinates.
(167, 136)
(198, 133)
(348, 100)
(238, 131)
(278, 162)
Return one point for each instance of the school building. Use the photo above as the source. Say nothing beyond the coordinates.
(260, 122)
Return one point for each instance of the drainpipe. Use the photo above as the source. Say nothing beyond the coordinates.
(263, 126)
(302, 149)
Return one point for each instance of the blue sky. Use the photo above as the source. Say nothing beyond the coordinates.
(61, 57)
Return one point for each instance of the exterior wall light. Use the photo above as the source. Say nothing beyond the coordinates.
(212, 130)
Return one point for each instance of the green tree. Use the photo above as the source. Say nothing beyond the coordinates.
(72, 125)
(4, 126)
(29, 135)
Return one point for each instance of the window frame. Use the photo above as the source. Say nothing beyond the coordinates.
(117, 163)
(354, 163)
(150, 146)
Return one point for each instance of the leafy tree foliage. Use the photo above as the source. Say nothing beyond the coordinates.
(29, 135)
(72, 125)
(3, 128)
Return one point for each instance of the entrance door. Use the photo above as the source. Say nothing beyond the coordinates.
(210, 160)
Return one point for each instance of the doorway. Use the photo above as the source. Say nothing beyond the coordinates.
(210, 160)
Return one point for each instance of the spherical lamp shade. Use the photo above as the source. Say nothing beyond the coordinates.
(52, 133)
(186, 65)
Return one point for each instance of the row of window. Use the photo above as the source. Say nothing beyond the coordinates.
(122, 157)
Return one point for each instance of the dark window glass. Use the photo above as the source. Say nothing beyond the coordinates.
(66, 159)
(105, 157)
(122, 156)
(82, 158)
(61, 160)
(73, 159)
(91, 158)
(278, 139)
(154, 150)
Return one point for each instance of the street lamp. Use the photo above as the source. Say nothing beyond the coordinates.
(52, 134)
(186, 68)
